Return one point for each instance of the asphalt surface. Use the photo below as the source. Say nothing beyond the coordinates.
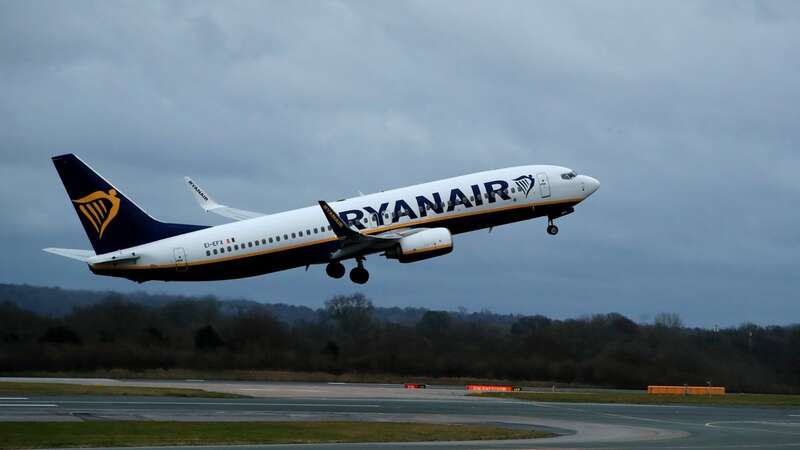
(579, 425)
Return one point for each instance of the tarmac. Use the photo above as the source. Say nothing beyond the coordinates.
(585, 426)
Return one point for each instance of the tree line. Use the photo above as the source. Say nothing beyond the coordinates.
(347, 336)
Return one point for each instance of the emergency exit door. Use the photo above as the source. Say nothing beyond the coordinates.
(180, 259)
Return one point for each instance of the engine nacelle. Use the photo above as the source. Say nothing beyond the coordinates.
(423, 245)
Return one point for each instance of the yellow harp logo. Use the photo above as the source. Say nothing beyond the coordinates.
(99, 208)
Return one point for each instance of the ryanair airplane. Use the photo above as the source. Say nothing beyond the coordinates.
(407, 224)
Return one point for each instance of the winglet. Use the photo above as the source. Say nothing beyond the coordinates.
(209, 205)
(337, 224)
(203, 199)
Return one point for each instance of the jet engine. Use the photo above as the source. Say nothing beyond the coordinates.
(422, 245)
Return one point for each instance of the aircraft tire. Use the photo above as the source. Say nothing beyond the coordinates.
(359, 275)
(335, 270)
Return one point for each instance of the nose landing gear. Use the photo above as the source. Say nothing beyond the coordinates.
(552, 229)
(359, 274)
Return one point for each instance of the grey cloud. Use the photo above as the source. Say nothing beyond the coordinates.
(686, 112)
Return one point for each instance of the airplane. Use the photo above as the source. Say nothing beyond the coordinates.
(408, 224)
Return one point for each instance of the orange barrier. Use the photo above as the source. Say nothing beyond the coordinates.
(415, 386)
(686, 390)
(489, 388)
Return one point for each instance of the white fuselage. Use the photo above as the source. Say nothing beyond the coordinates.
(303, 237)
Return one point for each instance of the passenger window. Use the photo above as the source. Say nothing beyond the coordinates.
(308, 232)
(300, 233)
(294, 236)
(236, 247)
(208, 253)
(285, 237)
(315, 231)
(250, 244)
(215, 251)
(512, 190)
(329, 228)
(256, 242)
(472, 198)
(270, 240)
(278, 238)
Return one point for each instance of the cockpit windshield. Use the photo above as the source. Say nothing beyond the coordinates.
(569, 175)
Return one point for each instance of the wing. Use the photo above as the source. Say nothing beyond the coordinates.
(353, 243)
(209, 205)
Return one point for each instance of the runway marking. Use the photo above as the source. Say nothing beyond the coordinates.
(338, 405)
(13, 398)
(279, 389)
(757, 422)
(31, 405)
(721, 425)
(601, 413)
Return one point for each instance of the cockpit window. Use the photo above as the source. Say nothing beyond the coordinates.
(569, 175)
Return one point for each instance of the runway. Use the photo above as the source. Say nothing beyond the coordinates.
(589, 426)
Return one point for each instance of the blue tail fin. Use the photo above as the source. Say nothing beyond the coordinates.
(110, 219)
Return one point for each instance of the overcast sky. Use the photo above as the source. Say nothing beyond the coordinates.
(687, 112)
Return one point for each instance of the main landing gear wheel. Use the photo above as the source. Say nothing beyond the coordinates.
(335, 270)
(359, 274)
(552, 229)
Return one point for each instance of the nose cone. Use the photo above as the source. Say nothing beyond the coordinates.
(589, 185)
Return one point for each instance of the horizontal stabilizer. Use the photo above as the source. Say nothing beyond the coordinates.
(209, 205)
(80, 255)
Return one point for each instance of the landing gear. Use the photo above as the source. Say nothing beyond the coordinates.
(359, 274)
(335, 270)
(552, 229)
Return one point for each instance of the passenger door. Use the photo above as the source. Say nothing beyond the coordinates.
(180, 260)
(544, 184)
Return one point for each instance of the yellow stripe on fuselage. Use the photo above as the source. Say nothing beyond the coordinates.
(416, 222)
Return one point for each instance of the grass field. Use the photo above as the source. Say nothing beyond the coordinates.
(641, 398)
(125, 434)
(21, 388)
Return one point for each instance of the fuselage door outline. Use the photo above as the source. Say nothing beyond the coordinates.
(544, 184)
(180, 259)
